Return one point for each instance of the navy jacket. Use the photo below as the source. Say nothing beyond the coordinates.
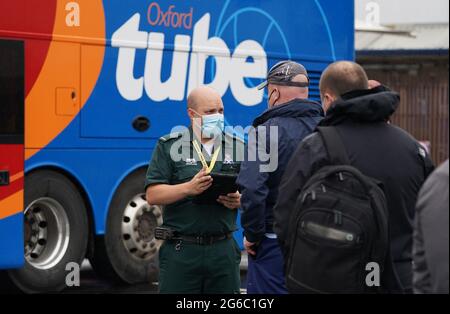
(293, 121)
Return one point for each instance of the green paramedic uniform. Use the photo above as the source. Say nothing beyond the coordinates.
(189, 268)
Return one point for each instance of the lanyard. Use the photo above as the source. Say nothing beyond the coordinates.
(202, 157)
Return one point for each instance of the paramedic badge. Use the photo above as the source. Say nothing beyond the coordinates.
(191, 162)
(228, 160)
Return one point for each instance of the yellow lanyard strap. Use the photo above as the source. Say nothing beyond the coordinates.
(202, 157)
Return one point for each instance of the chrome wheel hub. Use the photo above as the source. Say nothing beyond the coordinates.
(46, 233)
(138, 228)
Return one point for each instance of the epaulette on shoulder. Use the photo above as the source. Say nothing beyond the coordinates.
(171, 136)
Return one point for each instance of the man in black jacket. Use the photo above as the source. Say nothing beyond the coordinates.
(374, 146)
(276, 134)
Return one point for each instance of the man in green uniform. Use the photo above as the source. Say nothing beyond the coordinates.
(204, 258)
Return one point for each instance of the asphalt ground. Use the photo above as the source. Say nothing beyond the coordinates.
(90, 283)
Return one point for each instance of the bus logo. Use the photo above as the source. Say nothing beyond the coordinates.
(157, 17)
(232, 69)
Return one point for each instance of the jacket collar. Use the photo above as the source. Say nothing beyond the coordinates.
(366, 106)
(297, 108)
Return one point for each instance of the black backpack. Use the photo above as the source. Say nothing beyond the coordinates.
(339, 229)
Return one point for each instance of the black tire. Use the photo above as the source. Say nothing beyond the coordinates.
(112, 260)
(50, 185)
(6, 285)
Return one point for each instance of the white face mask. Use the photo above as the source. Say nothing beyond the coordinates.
(212, 125)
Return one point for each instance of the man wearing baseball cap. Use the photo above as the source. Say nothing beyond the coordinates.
(287, 73)
(289, 119)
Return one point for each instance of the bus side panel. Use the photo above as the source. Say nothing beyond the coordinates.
(11, 248)
(98, 172)
(11, 206)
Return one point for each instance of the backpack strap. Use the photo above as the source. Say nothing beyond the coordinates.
(334, 145)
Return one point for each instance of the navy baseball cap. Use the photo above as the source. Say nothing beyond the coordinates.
(283, 73)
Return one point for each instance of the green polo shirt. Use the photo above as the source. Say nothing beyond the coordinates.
(175, 161)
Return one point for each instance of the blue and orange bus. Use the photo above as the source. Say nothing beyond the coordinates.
(87, 87)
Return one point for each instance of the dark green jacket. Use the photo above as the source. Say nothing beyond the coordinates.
(175, 161)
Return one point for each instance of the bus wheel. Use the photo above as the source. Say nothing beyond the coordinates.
(128, 252)
(55, 232)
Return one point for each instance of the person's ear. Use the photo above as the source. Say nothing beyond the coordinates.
(330, 100)
(191, 113)
(274, 97)
(196, 119)
(278, 96)
(327, 100)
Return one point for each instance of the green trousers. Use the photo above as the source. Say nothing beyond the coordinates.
(196, 269)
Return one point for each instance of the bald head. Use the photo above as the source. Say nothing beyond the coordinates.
(343, 77)
(203, 96)
(203, 101)
(374, 84)
(340, 78)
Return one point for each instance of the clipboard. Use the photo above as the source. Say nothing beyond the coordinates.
(223, 184)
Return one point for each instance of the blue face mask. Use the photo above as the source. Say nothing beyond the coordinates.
(212, 125)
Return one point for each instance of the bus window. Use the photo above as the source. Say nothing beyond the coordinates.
(11, 88)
